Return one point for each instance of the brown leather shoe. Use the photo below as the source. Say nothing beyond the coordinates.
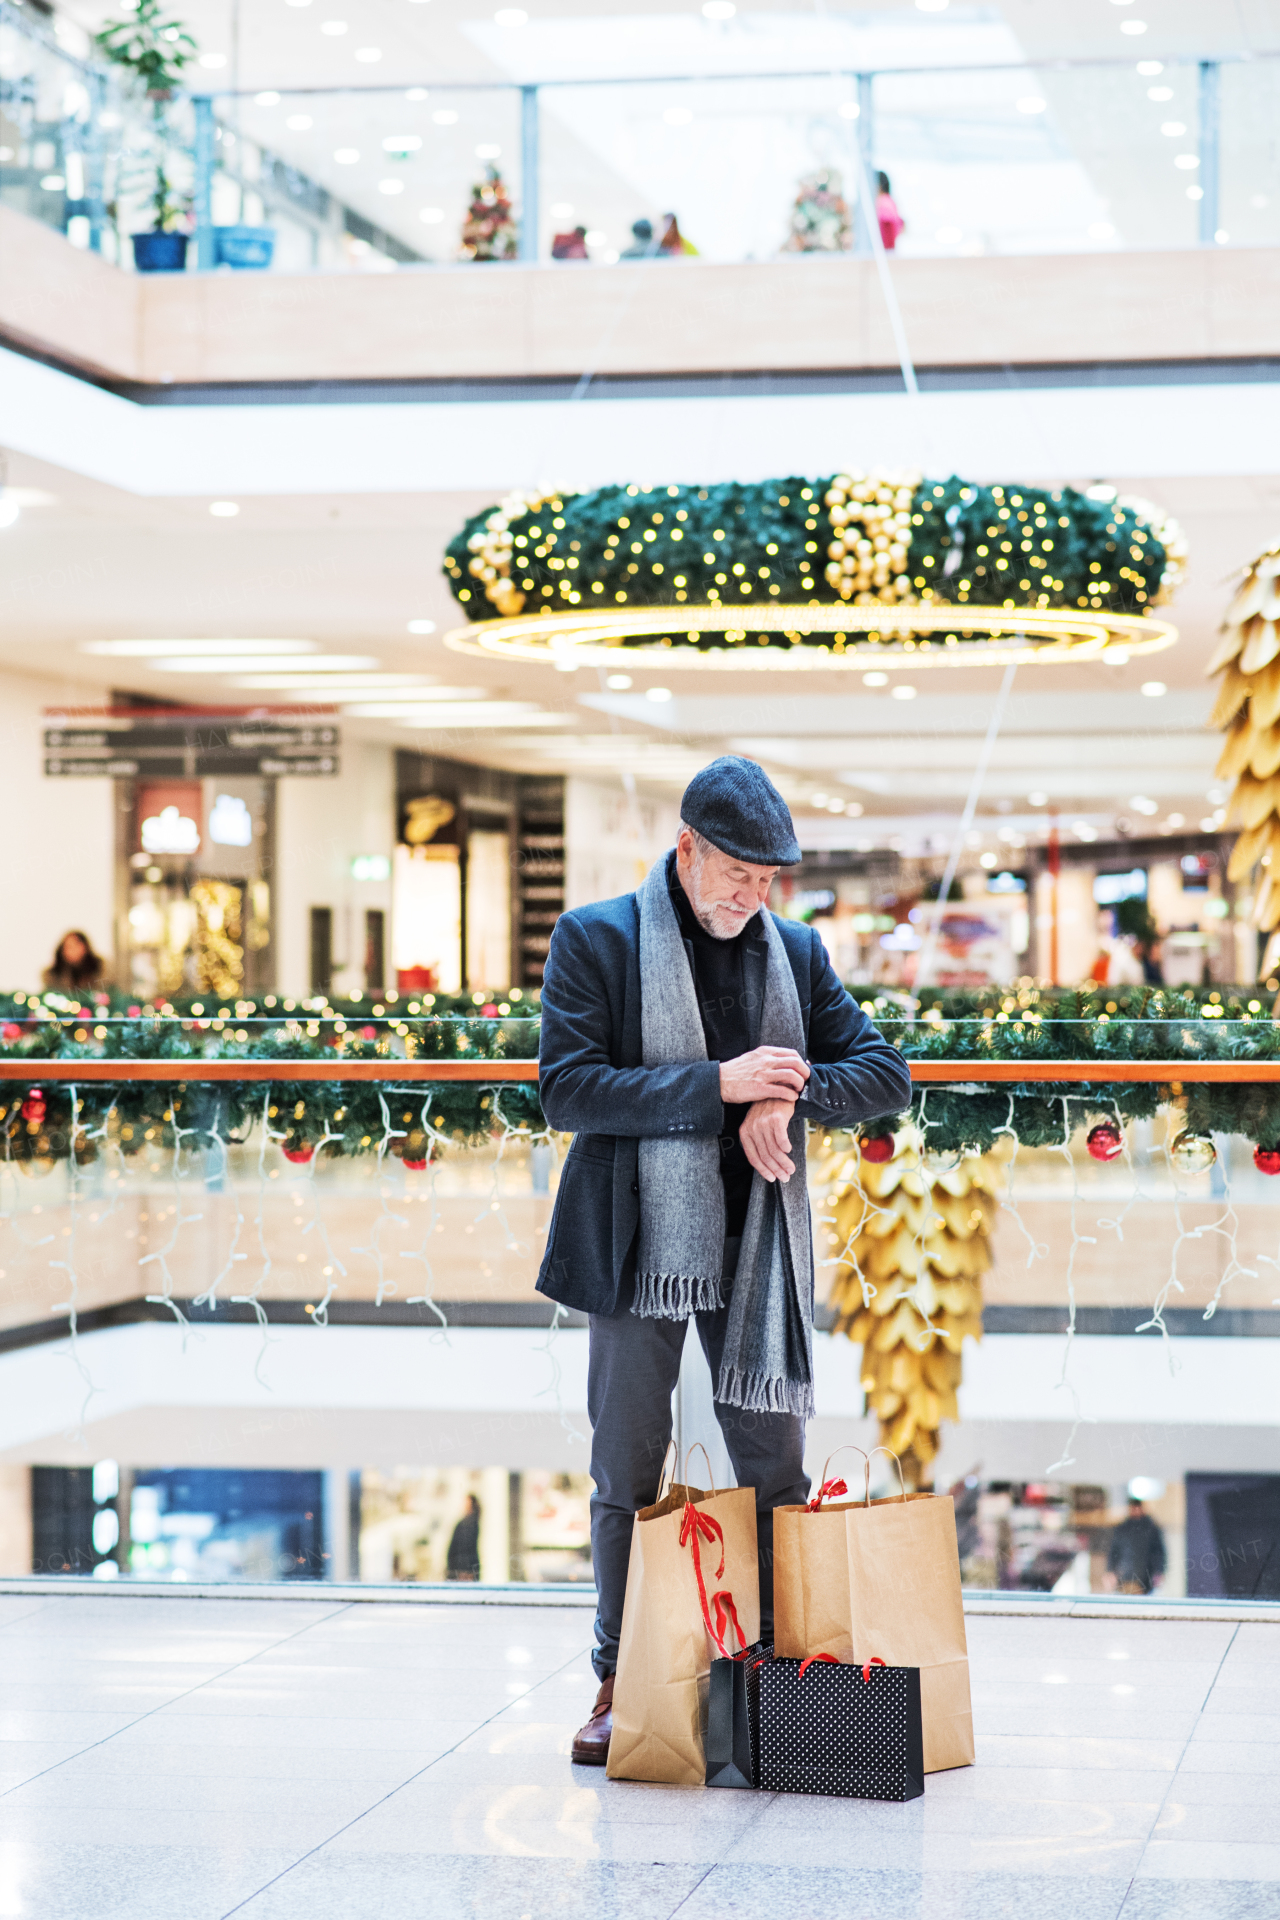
(591, 1743)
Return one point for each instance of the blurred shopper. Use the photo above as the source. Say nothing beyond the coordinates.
(643, 245)
(673, 242)
(1136, 1557)
(672, 1026)
(76, 967)
(462, 1562)
(891, 221)
(570, 246)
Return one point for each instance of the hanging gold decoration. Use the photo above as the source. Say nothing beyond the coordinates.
(912, 1241)
(1248, 709)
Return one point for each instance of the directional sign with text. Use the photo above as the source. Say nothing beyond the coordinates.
(181, 747)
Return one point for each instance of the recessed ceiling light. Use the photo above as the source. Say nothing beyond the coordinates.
(849, 110)
(1187, 161)
(1173, 129)
(422, 626)
(1154, 688)
(875, 679)
(156, 649)
(391, 186)
(1175, 820)
(1149, 67)
(560, 210)
(1141, 804)
(347, 156)
(854, 809)
(511, 17)
(223, 509)
(299, 122)
(445, 117)
(1133, 26)
(718, 9)
(903, 693)
(431, 216)
(618, 682)
(368, 54)
(658, 693)
(1195, 193)
(333, 27)
(1160, 93)
(416, 93)
(402, 143)
(266, 99)
(1038, 799)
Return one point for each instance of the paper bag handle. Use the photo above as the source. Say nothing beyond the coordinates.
(902, 1481)
(664, 1485)
(824, 1484)
(698, 1447)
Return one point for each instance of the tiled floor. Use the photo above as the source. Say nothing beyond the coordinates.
(186, 1759)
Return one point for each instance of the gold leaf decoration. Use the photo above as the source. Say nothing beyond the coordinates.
(910, 1249)
(1248, 711)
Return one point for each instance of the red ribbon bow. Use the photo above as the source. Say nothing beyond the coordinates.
(832, 1487)
(875, 1661)
(693, 1524)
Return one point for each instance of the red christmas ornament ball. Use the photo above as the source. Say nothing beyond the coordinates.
(1105, 1141)
(415, 1166)
(300, 1156)
(1266, 1159)
(878, 1148)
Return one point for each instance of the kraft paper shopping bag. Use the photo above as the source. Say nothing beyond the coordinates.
(693, 1594)
(880, 1577)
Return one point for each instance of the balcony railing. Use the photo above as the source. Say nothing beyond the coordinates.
(1010, 158)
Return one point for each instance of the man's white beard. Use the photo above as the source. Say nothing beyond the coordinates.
(721, 922)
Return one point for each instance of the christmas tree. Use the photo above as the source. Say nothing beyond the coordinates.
(820, 217)
(912, 1238)
(489, 231)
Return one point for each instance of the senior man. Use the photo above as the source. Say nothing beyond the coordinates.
(687, 1036)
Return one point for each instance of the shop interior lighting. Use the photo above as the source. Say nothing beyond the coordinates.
(1154, 689)
(368, 54)
(903, 692)
(268, 99)
(226, 649)
(658, 693)
(226, 509)
(431, 217)
(217, 663)
(299, 122)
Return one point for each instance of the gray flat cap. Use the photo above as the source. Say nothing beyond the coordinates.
(734, 804)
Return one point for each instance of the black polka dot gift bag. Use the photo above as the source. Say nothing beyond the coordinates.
(852, 1730)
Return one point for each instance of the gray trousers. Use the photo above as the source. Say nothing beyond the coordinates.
(631, 1376)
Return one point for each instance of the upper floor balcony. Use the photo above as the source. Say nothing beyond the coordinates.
(725, 214)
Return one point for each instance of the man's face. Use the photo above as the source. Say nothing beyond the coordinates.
(724, 892)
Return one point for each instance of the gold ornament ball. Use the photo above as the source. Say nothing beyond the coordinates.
(1193, 1153)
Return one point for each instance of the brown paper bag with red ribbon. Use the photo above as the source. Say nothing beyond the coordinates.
(693, 1596)
(865, 1579)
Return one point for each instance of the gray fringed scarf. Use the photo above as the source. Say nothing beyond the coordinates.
(767, 1365)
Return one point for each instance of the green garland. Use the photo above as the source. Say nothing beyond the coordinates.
(778, 542)
(41, 1123)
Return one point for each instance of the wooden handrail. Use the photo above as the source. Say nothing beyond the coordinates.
(923, 1072)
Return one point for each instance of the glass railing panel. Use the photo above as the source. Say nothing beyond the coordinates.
(1248, 113)
(369, 180)
(1041, 159)
(729, 159)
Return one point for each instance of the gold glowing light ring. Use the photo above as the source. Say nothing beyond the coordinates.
(887, 636)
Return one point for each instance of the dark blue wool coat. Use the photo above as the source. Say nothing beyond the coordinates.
(594, 1083)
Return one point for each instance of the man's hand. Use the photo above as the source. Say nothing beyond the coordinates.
(764, 1138)
(768, 1073)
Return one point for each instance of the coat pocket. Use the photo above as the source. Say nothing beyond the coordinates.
(578, 1268)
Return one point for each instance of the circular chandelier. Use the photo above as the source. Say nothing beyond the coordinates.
(797, 639)
(803, 575)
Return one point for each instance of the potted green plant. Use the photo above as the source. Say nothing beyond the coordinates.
(154, 50)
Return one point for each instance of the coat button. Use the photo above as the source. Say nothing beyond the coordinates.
(635, 1186)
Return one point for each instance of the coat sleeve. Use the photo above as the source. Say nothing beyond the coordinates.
(854, 1073)
(580, 1088)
